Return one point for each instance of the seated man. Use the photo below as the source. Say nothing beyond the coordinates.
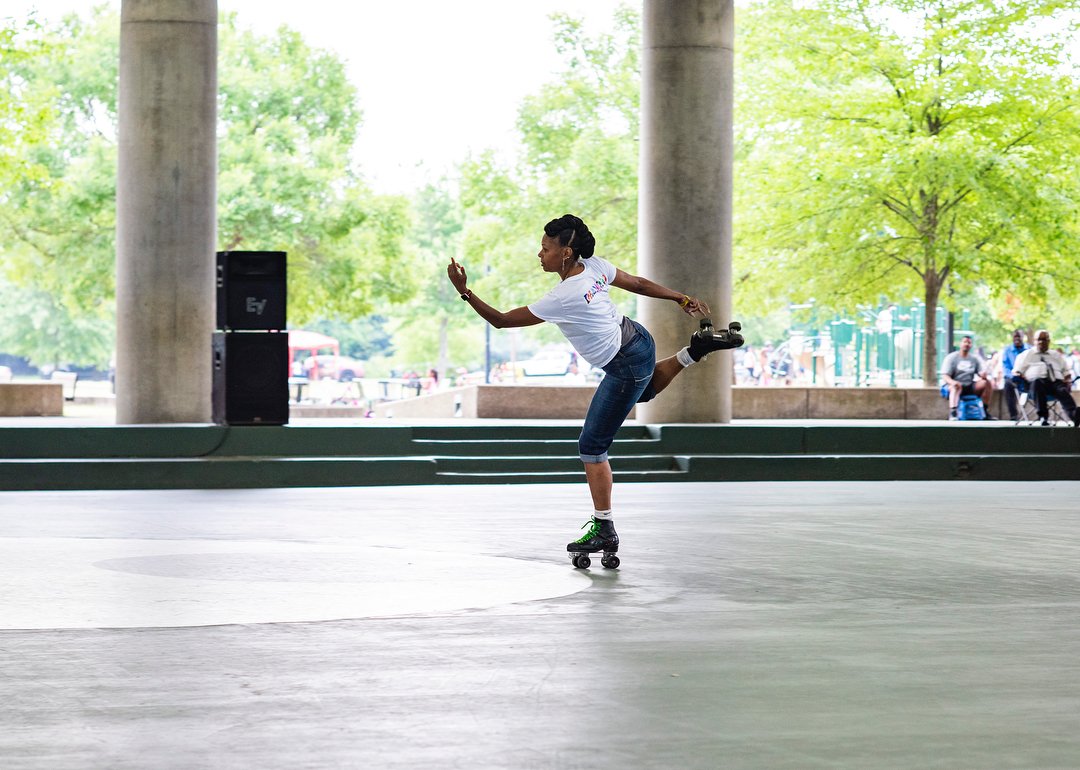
(965, 374)
(1047, 374)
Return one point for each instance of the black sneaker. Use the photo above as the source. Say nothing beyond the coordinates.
(705, 340)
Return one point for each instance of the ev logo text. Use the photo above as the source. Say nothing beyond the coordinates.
(256, 306)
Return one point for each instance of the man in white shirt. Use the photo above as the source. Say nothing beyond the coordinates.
(1048, 375)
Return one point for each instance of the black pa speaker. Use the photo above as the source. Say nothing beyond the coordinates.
(251, 290)
(251, 378)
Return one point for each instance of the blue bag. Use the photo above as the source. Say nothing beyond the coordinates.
(971, 408)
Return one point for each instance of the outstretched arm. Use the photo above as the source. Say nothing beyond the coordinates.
(646, 288)
(519, 316)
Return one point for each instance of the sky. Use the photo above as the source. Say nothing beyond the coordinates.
(436, 79)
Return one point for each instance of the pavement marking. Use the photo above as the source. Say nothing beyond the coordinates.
(58, 583)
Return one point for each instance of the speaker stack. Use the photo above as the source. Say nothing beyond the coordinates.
(251, 346)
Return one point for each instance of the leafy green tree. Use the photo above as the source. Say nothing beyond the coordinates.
(35, 327)
(906, 147)
(287, 124)
(58, 212)
(25, 117)
(579, 155)
(362, 338)
(443, 329)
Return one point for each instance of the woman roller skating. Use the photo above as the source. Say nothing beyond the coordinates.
(580, 306)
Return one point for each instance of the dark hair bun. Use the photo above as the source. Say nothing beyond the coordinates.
(571, 231)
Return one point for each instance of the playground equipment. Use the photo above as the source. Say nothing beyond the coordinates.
(882, 344)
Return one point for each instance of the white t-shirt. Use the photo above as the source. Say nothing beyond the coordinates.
(583, 311)
(1033, 365)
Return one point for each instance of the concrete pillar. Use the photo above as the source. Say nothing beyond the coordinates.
(684, 239)
(165, 210)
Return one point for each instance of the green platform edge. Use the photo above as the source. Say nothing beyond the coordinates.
(222, 457)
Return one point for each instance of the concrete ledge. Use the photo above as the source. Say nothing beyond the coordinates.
(540, 402)
(521, 402)
(866, 403)
(535, 402)
(770, 403)
(31, 399)
(456, 402)
(320, 411)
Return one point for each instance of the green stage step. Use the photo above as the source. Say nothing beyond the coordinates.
(209, 456)
(566, 463)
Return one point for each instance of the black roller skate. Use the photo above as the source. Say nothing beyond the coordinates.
(600, 537)
(706, 340)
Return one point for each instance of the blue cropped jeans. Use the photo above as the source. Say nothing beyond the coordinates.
(627, 381)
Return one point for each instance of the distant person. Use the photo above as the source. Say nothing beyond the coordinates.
(782, 365)
(764, 356)
(965, 373)
(1048, 375)
(750, 361)
(1011, 389)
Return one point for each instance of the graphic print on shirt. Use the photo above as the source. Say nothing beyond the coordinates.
(599, 286)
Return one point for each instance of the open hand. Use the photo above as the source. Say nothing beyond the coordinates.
(457, 276)
(695, 306)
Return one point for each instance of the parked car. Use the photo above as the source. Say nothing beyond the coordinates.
(329, 366)
(550, 363)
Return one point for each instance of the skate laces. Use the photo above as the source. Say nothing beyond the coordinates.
(594, 530)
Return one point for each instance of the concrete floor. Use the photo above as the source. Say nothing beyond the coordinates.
(791, 625)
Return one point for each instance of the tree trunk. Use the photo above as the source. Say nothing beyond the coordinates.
(932, 283)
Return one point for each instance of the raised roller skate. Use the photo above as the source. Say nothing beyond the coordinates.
(601, 537)
(706, 339)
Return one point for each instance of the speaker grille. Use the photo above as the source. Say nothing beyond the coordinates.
(251, 378)
(251, 292)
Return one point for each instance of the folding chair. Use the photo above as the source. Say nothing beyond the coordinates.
(1028, 414)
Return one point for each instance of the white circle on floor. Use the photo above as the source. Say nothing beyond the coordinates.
(76, 583)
